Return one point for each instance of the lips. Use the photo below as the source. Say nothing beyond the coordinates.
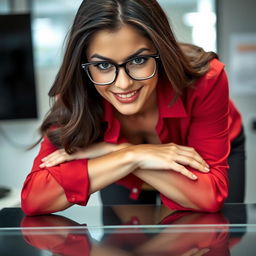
(128, 97)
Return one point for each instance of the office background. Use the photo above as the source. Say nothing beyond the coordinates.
(193, 21)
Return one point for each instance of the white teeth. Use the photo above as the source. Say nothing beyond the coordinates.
(129, 95)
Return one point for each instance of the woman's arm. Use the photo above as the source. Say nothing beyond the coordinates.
(55, 187)
(60, 182)
(208, 133)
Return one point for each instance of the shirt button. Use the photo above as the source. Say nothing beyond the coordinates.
(135, 190)
(73, 199)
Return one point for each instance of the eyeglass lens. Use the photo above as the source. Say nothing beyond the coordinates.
(138, 68)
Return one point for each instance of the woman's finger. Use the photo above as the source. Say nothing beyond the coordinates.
(51, 158)
(182, 170)
(191, 152)
(202, 252)
(192, 162)
(55, 153)
(191, 252)
(55, 158)
(187, 148)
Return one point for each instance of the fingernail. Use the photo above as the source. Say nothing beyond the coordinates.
(41, 165)
(207, 169)
(194, 177)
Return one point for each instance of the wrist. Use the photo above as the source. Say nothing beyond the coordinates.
(122, 146)
(130, 155)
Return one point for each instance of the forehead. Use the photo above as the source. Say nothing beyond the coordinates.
(118, 44)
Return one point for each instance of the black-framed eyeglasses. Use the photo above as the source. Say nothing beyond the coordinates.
(105, 72)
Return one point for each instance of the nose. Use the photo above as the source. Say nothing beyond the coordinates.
(123, 81)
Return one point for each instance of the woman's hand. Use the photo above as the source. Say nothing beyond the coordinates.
(98, 149)
(170, 157)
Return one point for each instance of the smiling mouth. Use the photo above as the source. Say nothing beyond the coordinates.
(127, 97)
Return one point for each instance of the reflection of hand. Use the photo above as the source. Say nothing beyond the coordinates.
(98, 149)
(189, 240)
(170, 157)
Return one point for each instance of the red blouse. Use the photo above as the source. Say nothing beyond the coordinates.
(205, 118)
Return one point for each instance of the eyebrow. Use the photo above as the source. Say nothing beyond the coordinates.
(128, 58)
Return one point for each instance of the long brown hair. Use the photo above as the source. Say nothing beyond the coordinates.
(76, 112)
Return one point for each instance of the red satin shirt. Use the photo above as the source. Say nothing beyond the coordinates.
(205, 119)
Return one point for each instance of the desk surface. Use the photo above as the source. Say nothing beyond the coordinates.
(130, 230)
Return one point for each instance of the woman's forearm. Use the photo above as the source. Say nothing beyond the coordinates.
(110, 168)
(204, 194)
(169, 184)
(126, 158)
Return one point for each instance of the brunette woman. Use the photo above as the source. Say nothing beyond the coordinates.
(135, 115)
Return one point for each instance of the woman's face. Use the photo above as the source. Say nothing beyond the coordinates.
(128, 96)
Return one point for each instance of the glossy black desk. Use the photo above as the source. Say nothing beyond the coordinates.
(130, 231)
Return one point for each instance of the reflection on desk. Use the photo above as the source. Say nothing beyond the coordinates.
(132, 241)
(138, 231)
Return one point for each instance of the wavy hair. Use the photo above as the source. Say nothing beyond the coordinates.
(74, 120)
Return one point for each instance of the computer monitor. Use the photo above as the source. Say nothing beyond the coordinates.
(17, 81)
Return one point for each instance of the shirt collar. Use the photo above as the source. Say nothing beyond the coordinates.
(113, 125)
(167, 109)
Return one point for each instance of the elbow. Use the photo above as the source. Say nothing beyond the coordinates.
(29, 209)
(29, 206)
(37, 203)
(33, 204)
(41, 194)
(215, 192)
(208, 195)
(212, 206)
(212, 202)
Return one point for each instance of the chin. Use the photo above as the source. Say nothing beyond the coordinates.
(128, 110)
(127, 113)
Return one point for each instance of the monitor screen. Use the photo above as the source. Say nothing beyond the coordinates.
(17, 82)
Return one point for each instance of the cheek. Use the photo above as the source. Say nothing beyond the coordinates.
(152, 84)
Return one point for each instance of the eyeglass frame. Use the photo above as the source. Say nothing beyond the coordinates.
(118, 66)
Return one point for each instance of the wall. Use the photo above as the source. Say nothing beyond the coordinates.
(236, 16)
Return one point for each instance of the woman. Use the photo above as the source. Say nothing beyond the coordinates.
(135, 114)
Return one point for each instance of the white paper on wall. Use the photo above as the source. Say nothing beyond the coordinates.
(242, 77)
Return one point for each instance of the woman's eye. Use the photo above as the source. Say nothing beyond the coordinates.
(139, 60)
(104, 66)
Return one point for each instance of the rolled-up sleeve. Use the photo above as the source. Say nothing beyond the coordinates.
(43, 185)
